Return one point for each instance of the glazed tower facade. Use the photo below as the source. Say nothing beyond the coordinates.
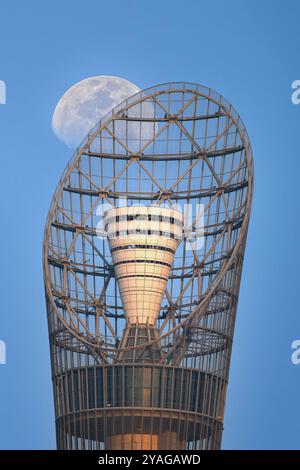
(142, 291)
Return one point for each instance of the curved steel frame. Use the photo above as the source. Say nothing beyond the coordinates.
(174, 143)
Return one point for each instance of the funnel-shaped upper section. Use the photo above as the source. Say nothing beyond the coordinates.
(143, 241)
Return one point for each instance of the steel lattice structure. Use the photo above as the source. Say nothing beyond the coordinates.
(177, 143)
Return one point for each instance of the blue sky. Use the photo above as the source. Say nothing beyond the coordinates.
(247, 51)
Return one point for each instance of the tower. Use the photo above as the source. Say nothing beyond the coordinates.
(141, 313)
(143, 242)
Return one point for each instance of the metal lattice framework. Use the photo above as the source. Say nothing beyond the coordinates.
(177, 143)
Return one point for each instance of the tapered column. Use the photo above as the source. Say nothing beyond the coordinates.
(143, 242)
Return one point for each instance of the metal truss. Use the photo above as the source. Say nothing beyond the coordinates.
(177, 143)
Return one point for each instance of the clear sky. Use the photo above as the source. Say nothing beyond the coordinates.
(248, 51)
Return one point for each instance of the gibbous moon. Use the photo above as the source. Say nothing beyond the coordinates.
(85, 103)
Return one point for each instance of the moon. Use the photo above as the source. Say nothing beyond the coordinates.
(85, 103)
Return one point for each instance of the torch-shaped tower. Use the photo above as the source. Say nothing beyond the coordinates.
(141, 312)
(143, 241)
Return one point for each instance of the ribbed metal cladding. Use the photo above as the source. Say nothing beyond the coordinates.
(136, 237)
(142, 302)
